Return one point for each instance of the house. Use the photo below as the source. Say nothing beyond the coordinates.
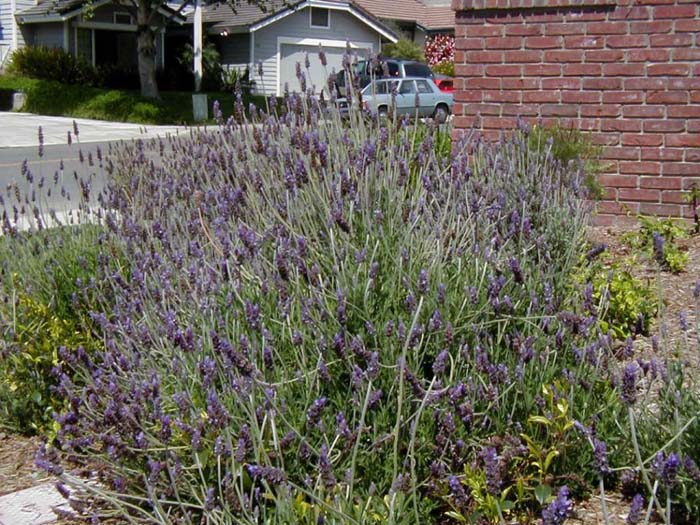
(413, 19)
(11, 35)
(286, 33)
(102, 32)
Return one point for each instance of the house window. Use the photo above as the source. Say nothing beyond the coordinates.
(83, 44)
(320, 17)
(123, 18)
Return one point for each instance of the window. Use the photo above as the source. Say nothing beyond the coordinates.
(407, 87)
(393, 69)
(123, 18)
(423, 86)
(83, 44)
(417, 70)
(320, 17)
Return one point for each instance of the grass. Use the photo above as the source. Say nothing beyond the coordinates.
(52, 98)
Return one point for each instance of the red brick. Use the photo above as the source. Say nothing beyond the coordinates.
(543, 42)
(523, 57)
(693, 126)
(684, 111)
(520, 83)
(689, 183)
(676, 11)
(561, 56)
(602, 83)
(584, 42)
(631, 13)
(493, 57)
(465, 122)
(621, 153)
(541, 70)
(482, 83)
(484, 30)
(541, 97)
(664, 126)
(660, 183)
(580, 97)
(527, 110)
(687, 26)
(623, 70)
(665, 70)
(583, 70)
(561, 83)
(692, 54)
(503, 70)
(647, 28)
(640, 168)
(607, 55)
(469, 70)
(667, 97)
(603, 110)
(525, 30)
(559, 110)
(695, 97)
(679, 40)
(682, 168)
(459, 56)
(664, 154)
(673, 197)
(570, 28)
(469, 44)
(482, 109)
(618, 181)
(499, 122)
(618, 208)
(634, 139)
(643, 111)
(627, 41)
(684, 83)
(623, 97)
(620, 125)
(501, 96)
(631, 194)
(648, 55)
(504, 43)
(468, 96)
(657, 84)
(661, 210)
(606, 28)
(684, 140)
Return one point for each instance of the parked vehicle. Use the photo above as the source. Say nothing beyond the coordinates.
(402, 94)
(444, 83)
(368, 70)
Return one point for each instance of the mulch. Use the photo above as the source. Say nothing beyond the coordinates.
(17, 470)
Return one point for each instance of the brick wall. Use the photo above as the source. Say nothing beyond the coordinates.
(627, 70)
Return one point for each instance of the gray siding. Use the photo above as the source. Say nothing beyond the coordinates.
(343, 26)
(7, 24)
(48, 35)
(234, 49)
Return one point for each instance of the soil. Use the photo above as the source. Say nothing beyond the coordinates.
(17, 470)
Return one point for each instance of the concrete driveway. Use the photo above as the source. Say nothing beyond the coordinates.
(21, 130)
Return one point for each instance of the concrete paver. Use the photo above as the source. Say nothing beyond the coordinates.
(22, 130)
(33, 506)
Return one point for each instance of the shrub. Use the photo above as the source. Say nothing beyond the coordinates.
(440, 49)
(445, 68)
(51, 64)
(404, 48)
(570, 145)
(658, 239)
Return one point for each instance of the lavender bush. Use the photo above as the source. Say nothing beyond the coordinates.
(317, 320)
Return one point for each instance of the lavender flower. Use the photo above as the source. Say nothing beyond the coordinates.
(659, 255)
(636, 509)
(629, 384)
(557, 511)
(313, 415)
(492, 468)
(666, 468)
(600, 456)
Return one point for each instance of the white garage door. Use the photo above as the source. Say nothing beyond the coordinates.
(317, 75)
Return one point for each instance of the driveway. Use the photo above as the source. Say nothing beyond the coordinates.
(22, 130)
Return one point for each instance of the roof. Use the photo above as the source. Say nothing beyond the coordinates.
(427, 16)
(246, 17)
(59, 10)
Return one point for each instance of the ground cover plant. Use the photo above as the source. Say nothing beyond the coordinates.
(328, 321)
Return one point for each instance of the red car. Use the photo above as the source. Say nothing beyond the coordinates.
(444, 83)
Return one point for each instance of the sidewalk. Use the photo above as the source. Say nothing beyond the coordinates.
(33, 506)
(22, 130)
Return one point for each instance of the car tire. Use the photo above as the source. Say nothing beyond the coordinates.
(441, 113)
(383, 112)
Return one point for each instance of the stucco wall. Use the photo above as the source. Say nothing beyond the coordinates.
(628, 71)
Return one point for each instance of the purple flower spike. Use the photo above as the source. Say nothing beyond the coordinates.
(557, 511)
(666, 468)
(659, 254)
(636, 509)
(600, 456)
(629, 384)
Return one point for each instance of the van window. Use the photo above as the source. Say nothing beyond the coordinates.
(417, 70)
(393, 69)
(423, 86)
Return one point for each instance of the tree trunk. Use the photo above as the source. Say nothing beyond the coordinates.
(146, 42)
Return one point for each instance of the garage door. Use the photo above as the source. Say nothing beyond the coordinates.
(291, 54)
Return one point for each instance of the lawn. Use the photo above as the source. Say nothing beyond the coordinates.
(47, 97)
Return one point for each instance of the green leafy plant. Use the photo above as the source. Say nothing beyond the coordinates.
(404, 48)
(51, 64)
(447, 67)
(692, 197)
(674, 258)
(567, 145)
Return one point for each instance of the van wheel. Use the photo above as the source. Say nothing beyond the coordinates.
(441, 113)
